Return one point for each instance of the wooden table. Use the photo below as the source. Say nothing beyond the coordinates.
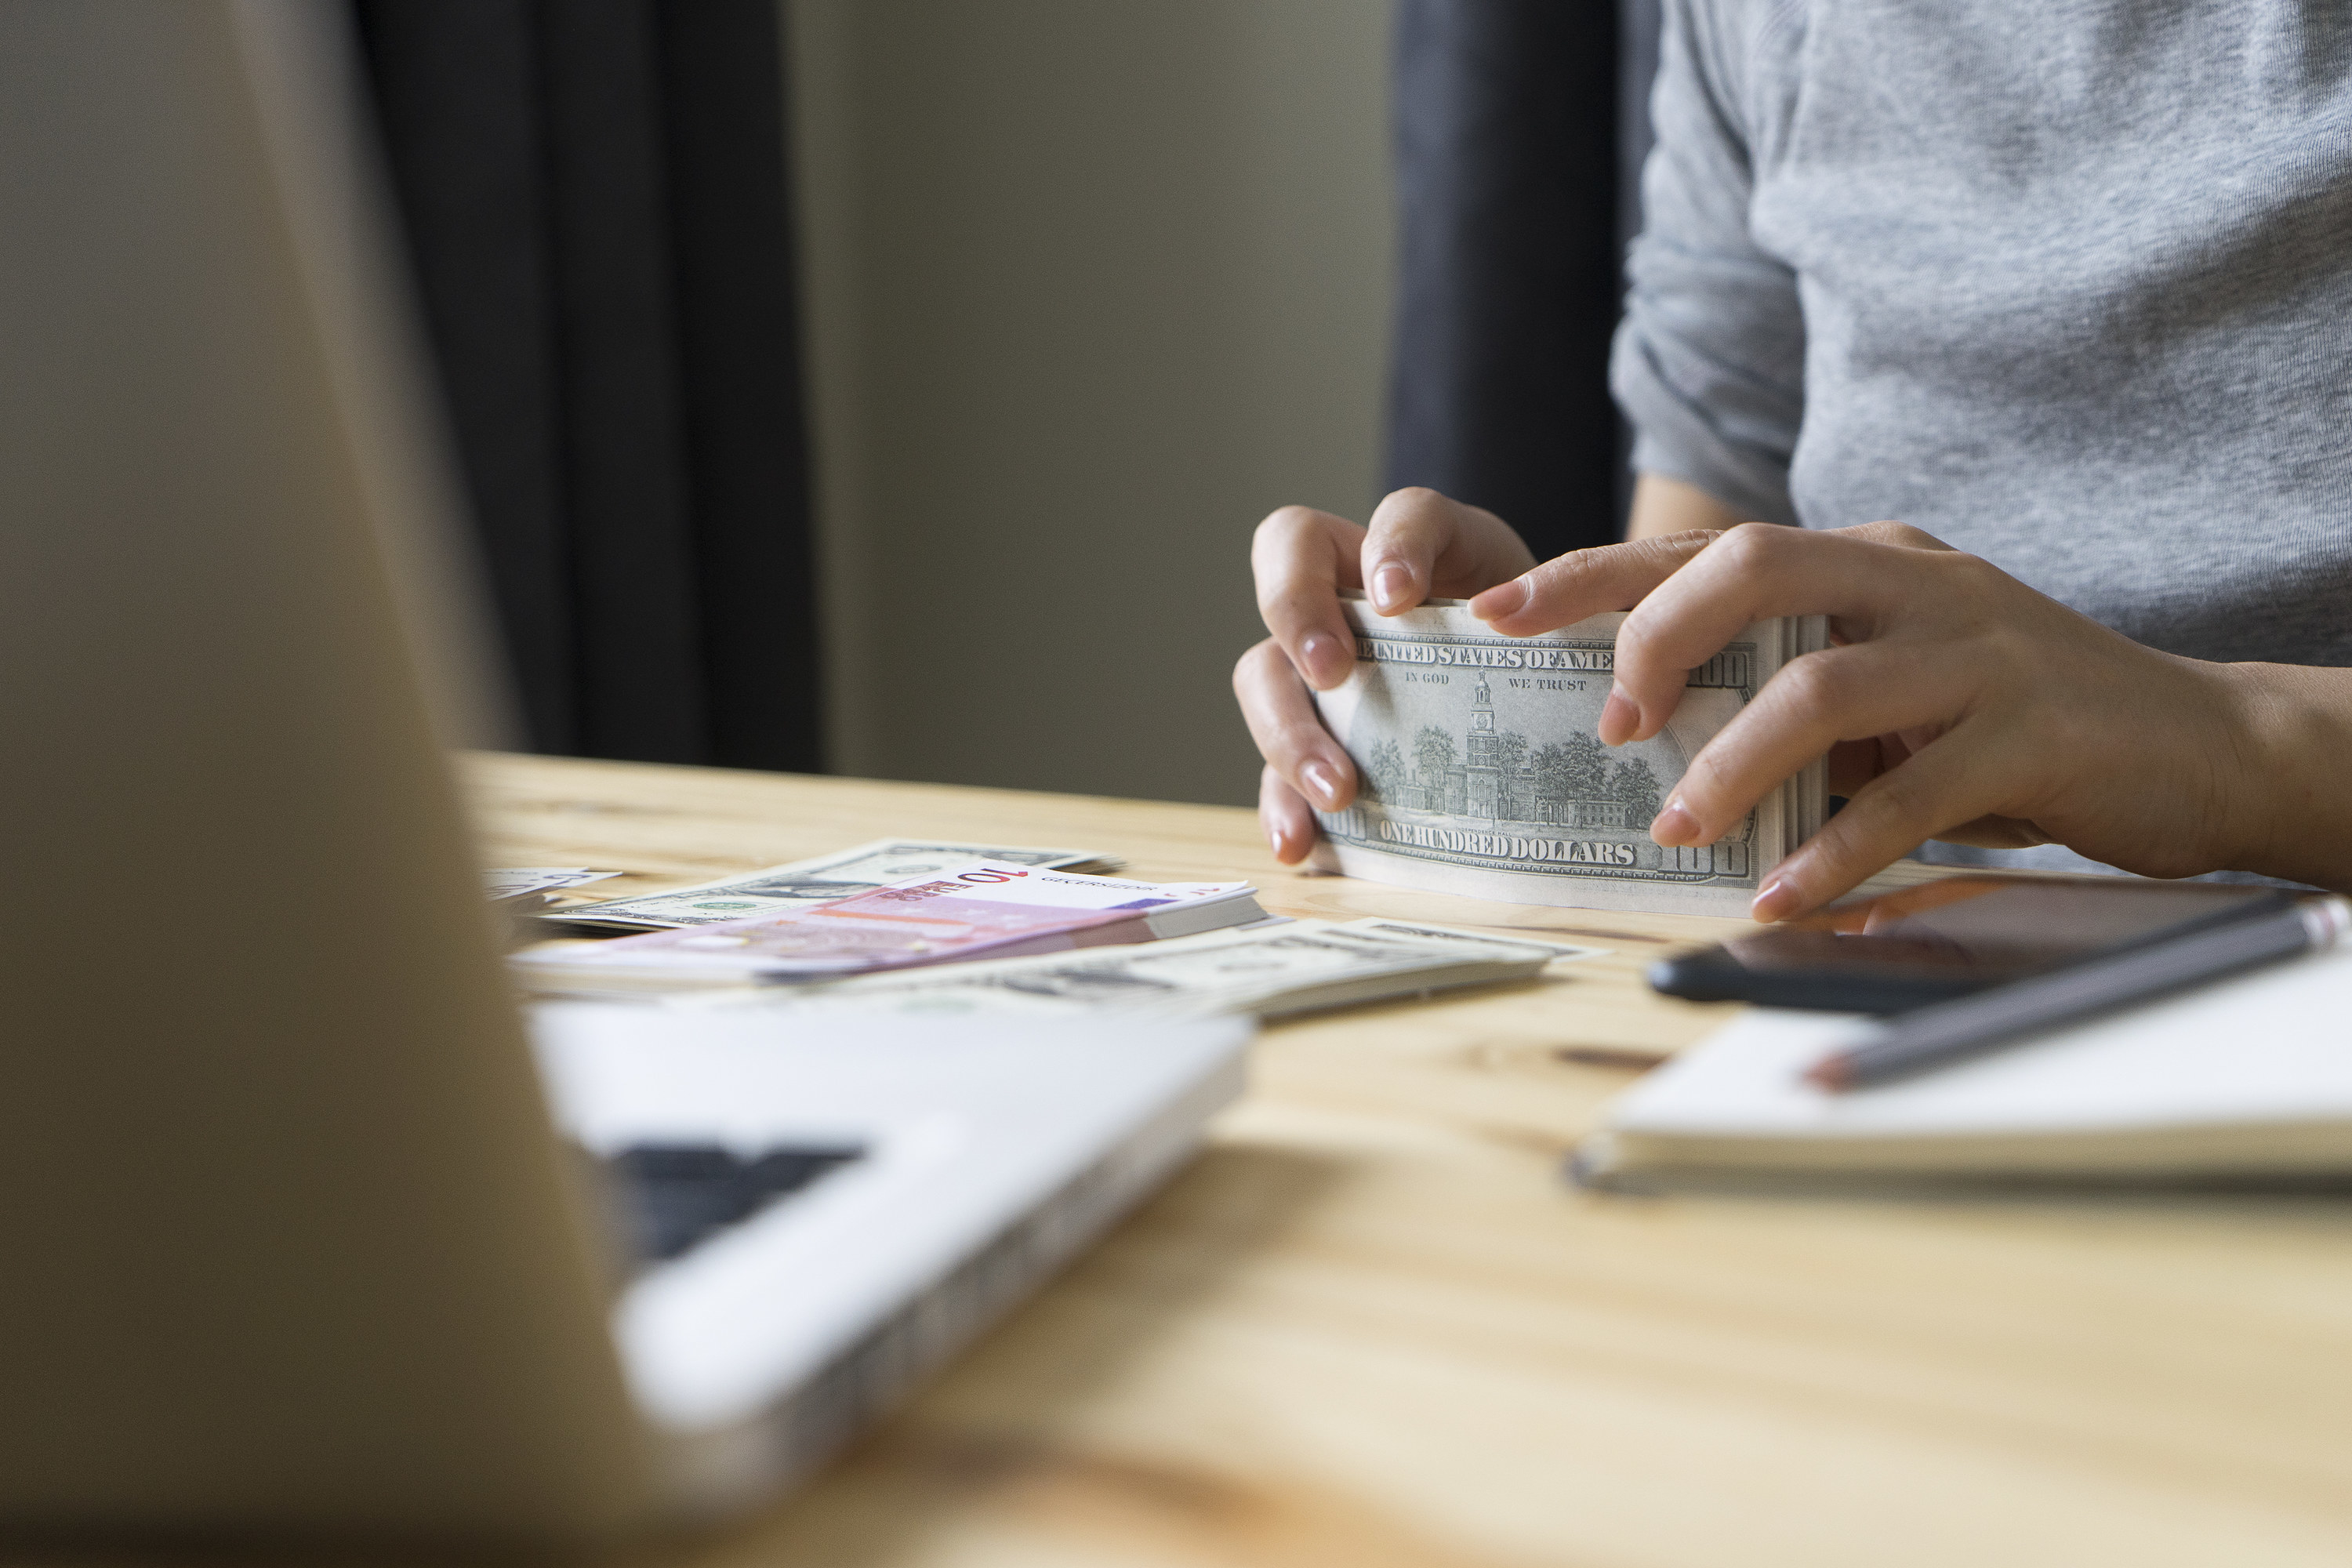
(1372, 1328)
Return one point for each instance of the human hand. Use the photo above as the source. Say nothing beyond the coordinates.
(1420, 545)
(1958, 702)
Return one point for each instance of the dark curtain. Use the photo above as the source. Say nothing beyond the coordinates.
(1514, 122)
(593, 193)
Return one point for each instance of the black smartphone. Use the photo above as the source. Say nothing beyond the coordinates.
(1948, 938)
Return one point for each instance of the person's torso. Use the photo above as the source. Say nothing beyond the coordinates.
(2077, 289)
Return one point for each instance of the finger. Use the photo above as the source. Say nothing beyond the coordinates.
(1302, 558)
(1568, 588)
(1289, 733)
(1754, 572)
(1815, 702)
(1289, 822)
(1948, 781)
(1422, 544)
(1409, 527)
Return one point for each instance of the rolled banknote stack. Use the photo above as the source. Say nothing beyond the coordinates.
(1483, 772)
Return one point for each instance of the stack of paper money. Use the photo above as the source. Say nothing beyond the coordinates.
(1267, 972)
(1483, 772)
(840, 875)
(982, 909)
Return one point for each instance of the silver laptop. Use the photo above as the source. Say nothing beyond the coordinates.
(296, 1235)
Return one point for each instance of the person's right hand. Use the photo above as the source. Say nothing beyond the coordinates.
(1420, 545)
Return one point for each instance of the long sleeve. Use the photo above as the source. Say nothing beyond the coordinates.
(1708, 363)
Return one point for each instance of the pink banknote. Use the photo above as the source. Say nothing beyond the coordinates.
(986, 909)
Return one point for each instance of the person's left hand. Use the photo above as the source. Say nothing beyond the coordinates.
(1957, 703)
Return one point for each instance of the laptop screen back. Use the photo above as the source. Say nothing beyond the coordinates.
(288, 1242)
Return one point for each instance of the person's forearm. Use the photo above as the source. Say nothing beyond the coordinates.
(1663, 506)
(2292, 806)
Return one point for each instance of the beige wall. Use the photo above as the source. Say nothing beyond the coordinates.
(1093, 285)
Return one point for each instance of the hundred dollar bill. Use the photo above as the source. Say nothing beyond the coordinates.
(840, 875)
(1268, 971)
(1483, 772)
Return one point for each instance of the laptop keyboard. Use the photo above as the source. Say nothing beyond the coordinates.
(675, 1195)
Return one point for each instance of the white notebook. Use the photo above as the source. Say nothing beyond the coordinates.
(2250, 1078)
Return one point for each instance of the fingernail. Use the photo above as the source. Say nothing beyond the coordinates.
(1777, 899)
(1392, 586)
(1619, 718)
(1281, 841)
(1322, 784)
(1676, 824)
(1502, 599)
(1326, 666)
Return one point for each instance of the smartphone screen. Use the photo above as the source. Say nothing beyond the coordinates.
(1948, 938)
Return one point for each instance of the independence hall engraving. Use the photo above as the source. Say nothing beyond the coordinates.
(1492, 775)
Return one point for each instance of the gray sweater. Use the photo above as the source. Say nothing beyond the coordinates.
(2068, 284)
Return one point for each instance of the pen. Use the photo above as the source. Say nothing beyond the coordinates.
(1951, 1031)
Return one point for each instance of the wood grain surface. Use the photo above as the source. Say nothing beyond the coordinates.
(1370, 1327)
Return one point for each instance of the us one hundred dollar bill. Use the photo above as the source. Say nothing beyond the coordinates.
(1266, 970)
(840, 875)
(1482, 770)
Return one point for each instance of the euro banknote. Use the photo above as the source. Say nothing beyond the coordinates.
(840, 875)
(980, 909)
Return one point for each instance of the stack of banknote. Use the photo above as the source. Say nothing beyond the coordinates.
(1272, 970)
(1266, 972)
(982, 909)
(1484, 774)
(1196, 949)
(842, 874)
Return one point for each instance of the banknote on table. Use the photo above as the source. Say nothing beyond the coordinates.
(982, 909)
(842, 874)
(1483, 772)
(1269, 970)
(509, 883)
